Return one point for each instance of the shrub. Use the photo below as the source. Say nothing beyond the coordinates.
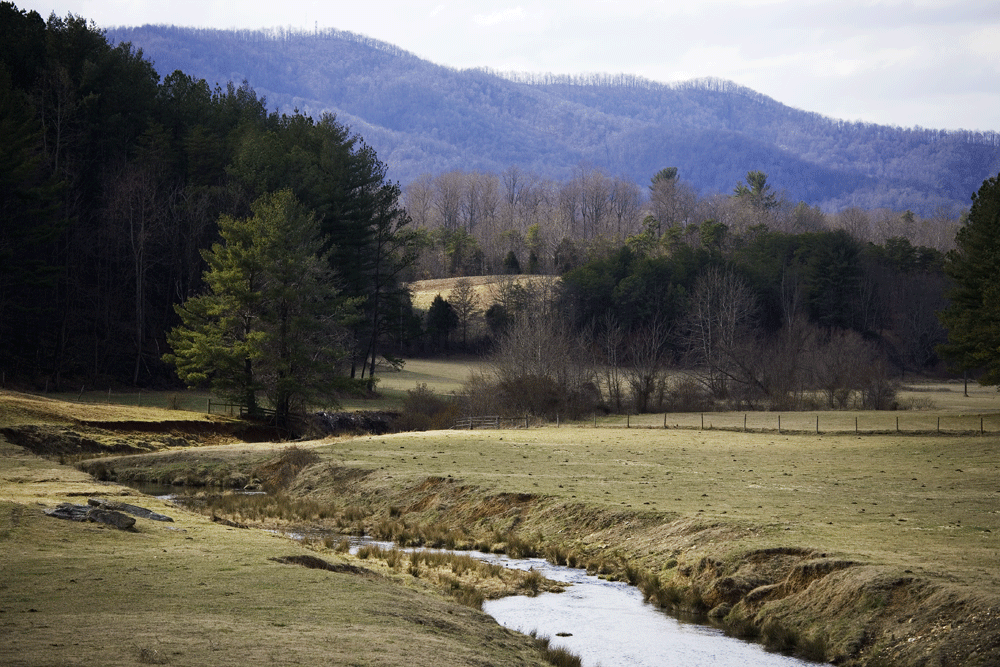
(423, 410)
(686, 394)
(559, 657)
(779, 637)
(468, 596)
(532, 582)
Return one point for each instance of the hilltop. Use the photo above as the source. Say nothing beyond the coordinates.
(424, 118)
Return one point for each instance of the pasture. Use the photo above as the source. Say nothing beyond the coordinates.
(915, 505)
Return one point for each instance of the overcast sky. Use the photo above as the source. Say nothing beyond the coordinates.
(930, 63)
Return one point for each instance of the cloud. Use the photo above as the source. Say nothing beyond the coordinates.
(509, 15)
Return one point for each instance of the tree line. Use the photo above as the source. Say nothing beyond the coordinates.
(783, 308)
(117, 189)
(483, 223)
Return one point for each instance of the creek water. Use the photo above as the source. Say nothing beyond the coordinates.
(606, 623)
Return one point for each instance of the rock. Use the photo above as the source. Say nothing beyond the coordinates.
(111, 518)
(69, 511)
(134, 510)
(337, 423)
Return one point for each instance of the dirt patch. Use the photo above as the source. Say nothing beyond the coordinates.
(70, 441)
(316, 563)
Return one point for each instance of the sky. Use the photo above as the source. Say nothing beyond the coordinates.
(927, 63)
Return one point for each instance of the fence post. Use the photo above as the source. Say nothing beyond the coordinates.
(702, 421)
(939, 424)
(595, 420)
(817, 424)
(664, 420)
(980, 425)
(526, 420)
(744, 422)
(855, 424)
(897, 424)
(628, 420)
(779, 423)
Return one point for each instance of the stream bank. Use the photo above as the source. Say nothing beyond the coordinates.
(794, 599)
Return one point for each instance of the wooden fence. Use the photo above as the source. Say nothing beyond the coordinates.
(237, 409)
(812, 422)
(492, 421)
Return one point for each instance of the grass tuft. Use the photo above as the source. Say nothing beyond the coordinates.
(150, 656)
(559, 657)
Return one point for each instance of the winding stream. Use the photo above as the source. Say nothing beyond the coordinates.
(607, 623)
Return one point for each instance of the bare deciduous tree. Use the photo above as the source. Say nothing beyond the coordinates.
(611, 359)
(647, 355)
(448, 198)
(465, 302)
(719, 330)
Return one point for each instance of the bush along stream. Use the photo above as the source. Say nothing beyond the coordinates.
(795, 600)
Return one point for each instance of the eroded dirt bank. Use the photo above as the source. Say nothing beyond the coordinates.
(793, 599)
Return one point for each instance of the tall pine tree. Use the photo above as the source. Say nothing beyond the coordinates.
(973, 316)
(270, 321)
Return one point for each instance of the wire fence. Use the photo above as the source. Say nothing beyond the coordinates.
(811, 422)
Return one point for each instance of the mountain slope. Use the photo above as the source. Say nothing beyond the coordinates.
(425, 118)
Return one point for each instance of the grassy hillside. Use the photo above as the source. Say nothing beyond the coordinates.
(486, 288)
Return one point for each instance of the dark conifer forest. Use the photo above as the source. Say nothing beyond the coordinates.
(114, 179)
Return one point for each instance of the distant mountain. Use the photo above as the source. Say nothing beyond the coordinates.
(426, 118)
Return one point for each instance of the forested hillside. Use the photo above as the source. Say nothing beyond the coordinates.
(427, 119)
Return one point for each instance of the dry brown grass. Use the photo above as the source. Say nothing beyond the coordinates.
(199, 593)
(424, 291)
(917, 513)
(18, 408)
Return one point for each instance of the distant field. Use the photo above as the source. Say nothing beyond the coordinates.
(424, 291)
(934, 404)
(443, 376)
